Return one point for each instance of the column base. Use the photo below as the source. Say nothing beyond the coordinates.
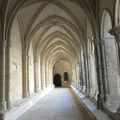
(37, 90)
(87, 92)
(43, 88)
(112, 102)
(1, 116)
(25, 95)
(9, 105)
(3, 106)
(118, 114)
(100, 102)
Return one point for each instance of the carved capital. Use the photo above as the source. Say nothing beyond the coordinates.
(116, 32)
(118, 110)
(8, 44)
(35, 61)
(26, 57)
(3, 44)
(98, 42)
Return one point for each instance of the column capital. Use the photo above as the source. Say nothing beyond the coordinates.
(25, 95)
(26, 57)
(116, 32)
(118, 110)
(8, 44)
(98, 42)
(1, 116)
(5, 43)
(35, 61)
(3, 105)
(2, 43)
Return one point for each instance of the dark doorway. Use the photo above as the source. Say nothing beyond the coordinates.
(57, 80)
(65, 76)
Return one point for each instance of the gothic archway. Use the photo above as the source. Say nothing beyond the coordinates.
(109, 56)
(57, 80)
(65, 76)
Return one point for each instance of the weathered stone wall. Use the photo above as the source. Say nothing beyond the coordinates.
(15, 63)
(60, 68)
(60, 30)
(110, 55)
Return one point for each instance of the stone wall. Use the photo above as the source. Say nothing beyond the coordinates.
(60, 68)
(15, 63)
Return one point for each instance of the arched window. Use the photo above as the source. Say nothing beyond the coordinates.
(65, 76)
(57, 80)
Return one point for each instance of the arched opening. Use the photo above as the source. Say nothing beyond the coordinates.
(65, 76)
(60, 67)
(92, 69)
(57, 80)
(109, 57)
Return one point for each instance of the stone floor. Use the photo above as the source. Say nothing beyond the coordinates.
(58, 105)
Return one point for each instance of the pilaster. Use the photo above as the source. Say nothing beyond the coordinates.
(43, 86)
(2, 75)
(25, 76)
(98, 43)
(36, 82)
(7, 86)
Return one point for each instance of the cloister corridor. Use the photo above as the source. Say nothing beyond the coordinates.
(59, 59)
(57, 105)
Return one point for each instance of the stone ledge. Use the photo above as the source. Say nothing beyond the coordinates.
(19, 109)
(90, 106)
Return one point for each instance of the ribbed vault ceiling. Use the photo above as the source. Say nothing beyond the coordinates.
(56, 28)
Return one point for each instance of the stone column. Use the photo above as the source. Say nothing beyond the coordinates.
(117, 116)
(39, 75)
(79, 70)
(7, 85)
(86, 76)
(76, 79)
(48, 70)
(2, 75)
(97, 44)
(25, 77)
(49, 79)
(83, 71)
(51, 75)
(43, 77)
(78, 75)
(104, 68)
(73, 77)
(36, 76)
(46, 76)
(87, 69)
(115, 31)
(81, 76)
